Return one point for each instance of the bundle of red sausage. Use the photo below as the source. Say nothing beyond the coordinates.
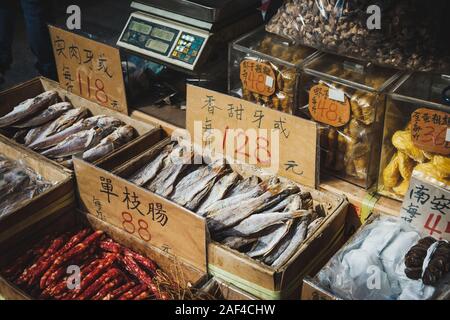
(108, 271)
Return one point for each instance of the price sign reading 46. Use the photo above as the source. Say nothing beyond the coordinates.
(324, 108)
(430, 130)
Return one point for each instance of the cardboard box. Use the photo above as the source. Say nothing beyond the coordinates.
(185, 273)
(12, 97)
(59, 197)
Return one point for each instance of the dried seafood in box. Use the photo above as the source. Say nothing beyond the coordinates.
(265, 69)
(108, 270)
(18, 183)
(58, 131)
(391, 257)
(408, 35)
(267, 219)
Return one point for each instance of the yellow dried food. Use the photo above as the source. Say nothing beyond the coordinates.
(433, 171)
(361, 167)
(402, 188)
(403, 142)
(443, 165)
(405, 165)
(363, 108)
(391, 174)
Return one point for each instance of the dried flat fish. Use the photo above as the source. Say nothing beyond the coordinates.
(196, 185)
(238, 243)
(13, 181)
(116, 139)
(244, 186)
(77, 143)
(65, 121)
(35, 133)
(54, 139)
(147, 173)
(219, 190)
(237, 212)
(20, 135)
(267, 242)
(314, 226)
(28, 108)
(49, 114)
(299, 235)
(258, 222)
(164, 182)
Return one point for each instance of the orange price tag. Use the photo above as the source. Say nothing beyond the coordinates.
(429, 130)
(258, 77)
(327, 110)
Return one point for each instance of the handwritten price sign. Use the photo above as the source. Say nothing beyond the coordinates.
(431, 130)
(89, 69)
(258, 77)
(333, 110)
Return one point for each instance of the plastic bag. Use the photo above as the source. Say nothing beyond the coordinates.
(18, 183)
(372, 266)
(410, 35)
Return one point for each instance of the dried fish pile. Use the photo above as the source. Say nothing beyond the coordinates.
(267, 220)
(58, 131)
(108, 271)
(18, 184)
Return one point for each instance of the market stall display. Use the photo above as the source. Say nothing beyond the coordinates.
(415, 132)
(265, 68)
(348, 99)
(408, 35)
(387, 260)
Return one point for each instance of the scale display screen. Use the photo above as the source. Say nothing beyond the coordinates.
(163, 34)
(157, 46)
(140, 27)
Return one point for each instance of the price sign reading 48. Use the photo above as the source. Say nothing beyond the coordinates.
(324, 108)
(258, 77)
(430, 130)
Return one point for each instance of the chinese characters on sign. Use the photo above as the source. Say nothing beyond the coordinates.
(258, 77)
(89, 69)
(427, 207)
(429, 130)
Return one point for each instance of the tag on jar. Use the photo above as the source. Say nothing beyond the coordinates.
(257, 77)
(325, 109)
(336, 94)
(430, 130)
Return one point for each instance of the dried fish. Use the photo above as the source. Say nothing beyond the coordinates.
(244, 186)
(20, 135)
(178, 162)
(219, 190)
(35, 133)
(49, 114)
(54, 139)
(77, 143)
(28, 108)
(196, 185)
(147, 173)
(237, 212)
(13, 181)
(298, 236)
(267, 242)
(238, 243)
(116, 139)
(314, 226)
(258, 222)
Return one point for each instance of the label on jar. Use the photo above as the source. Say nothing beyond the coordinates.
(353, 67)
(328, 110)
(336, 94)
(430, 130)
(257, 77)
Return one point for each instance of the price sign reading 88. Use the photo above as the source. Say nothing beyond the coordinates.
(326, 110)
(139, 227)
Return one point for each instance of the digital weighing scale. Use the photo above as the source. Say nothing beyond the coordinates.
(185, 33)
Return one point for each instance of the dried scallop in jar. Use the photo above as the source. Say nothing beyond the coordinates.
(331, 135)
(362, 105)
(403, 142)
(406, 165)
(391, 174)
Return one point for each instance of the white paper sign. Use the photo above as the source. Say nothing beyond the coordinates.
(427, 207)
(269, 81)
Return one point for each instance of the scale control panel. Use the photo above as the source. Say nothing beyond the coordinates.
(164, 40)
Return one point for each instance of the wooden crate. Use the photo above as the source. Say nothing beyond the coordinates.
(222, 290)
(12, 97)
(240, 270)
(57, 198)
(186, 274)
